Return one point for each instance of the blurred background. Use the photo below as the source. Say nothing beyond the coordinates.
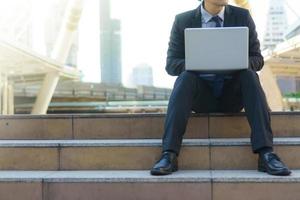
(70, 56)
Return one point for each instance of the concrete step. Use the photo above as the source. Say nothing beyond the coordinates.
(134, 185)
(137, 126)
(200, 154)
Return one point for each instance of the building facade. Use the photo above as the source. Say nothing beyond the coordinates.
(277, 24)
(142, 75)
(110, 42)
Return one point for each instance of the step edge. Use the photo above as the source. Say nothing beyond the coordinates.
(187, 176)
(286, 141)
(132, 115)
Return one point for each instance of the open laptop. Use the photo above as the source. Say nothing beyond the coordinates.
(216, 49)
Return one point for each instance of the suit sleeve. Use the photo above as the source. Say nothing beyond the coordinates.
(175, 56)
(256, 60)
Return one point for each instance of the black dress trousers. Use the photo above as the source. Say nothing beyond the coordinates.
(191, 93)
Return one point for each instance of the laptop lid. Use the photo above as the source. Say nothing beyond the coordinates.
(216, 49)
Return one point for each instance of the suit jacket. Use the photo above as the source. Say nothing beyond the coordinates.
(234, 16)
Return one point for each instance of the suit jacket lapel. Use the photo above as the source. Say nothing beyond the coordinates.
(229, 19)
(196, 20)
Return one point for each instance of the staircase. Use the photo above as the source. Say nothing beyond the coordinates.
(108, 157)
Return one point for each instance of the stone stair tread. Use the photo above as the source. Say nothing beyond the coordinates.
(126, 115)
(139, 142)
(137, 126)
(127, 176)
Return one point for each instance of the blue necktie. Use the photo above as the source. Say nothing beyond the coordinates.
(218, 81)
(217, 20)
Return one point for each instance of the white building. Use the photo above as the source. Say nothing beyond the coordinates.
(142, 75)
(35, 24)
(52, 25)
(276, 28)
(15, 22)
(277, 24)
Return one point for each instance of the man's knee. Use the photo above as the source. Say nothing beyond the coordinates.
(185, 83)
(248, 75)
(187, 77)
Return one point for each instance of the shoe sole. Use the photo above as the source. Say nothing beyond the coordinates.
(281, 173)
(162, 173)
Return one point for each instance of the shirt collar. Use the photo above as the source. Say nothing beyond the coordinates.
(206, 16)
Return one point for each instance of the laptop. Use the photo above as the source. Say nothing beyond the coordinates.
(216, 49)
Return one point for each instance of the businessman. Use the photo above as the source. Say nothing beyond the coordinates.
(204, 93)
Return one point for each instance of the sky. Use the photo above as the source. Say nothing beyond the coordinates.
(146, 29)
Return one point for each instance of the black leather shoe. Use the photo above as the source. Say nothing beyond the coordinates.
(166, 165)
(271, 163)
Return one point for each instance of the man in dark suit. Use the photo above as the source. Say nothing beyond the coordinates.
(204, 93)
